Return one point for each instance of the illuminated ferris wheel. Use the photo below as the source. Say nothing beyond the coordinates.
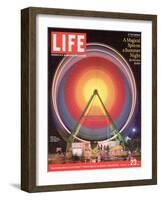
(94, 95)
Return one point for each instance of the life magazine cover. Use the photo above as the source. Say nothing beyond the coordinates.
(94, 99)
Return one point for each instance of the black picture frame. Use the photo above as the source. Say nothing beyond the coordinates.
(28, 98)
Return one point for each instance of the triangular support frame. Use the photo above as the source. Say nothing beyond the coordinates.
(116, 134)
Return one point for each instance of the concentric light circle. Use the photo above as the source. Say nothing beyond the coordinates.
(102, 69)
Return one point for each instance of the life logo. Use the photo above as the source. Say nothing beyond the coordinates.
(68, 43)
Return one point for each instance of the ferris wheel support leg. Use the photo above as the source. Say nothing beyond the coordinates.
(78, 125)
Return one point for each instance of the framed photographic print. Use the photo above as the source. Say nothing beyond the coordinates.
(89, 99)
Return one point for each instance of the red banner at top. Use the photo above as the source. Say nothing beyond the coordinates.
(68, 43)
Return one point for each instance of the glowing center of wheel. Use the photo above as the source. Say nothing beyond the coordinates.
(95, 84)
